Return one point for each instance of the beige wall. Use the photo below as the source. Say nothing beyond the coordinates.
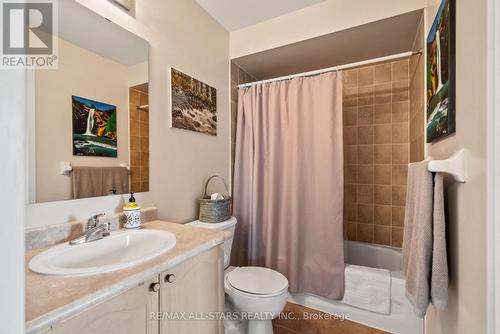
(138, 74)
(192, 42)
(324, 18)
(85, 74)
(184, 36)
(466, 203)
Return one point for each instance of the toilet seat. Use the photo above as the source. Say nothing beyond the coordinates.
(257, 281)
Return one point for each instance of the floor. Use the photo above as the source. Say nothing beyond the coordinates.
(316, 323)
(296, 324)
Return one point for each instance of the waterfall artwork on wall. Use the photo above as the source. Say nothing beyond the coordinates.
(194, 104)
(94, 128)
(441, 73)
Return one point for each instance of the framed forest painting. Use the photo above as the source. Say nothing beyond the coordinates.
(194, 104)
(441, 73)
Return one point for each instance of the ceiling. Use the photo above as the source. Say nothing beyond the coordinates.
(237, 14)
(99, 35)
(377, 39)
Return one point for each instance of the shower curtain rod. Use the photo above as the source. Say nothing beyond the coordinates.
(335, 68)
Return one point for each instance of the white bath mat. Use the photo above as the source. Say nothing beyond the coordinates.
(368, 288)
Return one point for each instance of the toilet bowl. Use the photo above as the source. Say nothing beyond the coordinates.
(258, 294)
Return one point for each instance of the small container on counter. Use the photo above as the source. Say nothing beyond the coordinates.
(132, 212)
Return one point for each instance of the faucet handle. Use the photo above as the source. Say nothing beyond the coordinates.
(94, 220)
(107, 230)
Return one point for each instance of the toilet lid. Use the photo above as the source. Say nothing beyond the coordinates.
(257, 280)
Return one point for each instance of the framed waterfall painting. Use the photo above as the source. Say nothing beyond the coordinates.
(94, 128)
(194, 104)
(440, 68)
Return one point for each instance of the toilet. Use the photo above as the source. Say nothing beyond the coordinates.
(259, 293)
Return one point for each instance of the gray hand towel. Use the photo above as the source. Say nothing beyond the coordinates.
(115, 180)
(439, 275)
(417, 240)
(424, 242)
(87, 182)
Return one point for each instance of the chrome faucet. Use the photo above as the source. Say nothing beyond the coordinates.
(95, 231)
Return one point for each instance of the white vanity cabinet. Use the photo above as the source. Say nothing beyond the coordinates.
(192, 295)
(128, 312)
(192, 290)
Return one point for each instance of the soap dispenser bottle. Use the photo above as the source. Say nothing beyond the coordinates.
(132, 212)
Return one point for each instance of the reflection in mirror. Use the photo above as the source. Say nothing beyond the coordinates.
(91, 113)
(139, 138)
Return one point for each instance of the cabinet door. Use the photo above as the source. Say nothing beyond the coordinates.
(188, 300)
(127, 313)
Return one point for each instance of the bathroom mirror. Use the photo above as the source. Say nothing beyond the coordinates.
(90, 116)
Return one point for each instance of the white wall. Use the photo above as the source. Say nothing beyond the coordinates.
(466, 203)
(493, 231)
(138, 74)
(184, 36)
(12, 199)
(85, 74)
(324, 18)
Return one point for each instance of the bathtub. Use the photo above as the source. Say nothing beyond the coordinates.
(400, 320)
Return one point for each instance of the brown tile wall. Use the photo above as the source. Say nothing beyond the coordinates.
(417, 95)
(139, 141)
(238, 76)
(376, 152)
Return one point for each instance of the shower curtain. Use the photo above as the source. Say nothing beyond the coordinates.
(288, 182)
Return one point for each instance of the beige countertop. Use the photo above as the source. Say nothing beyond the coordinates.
(50, 299)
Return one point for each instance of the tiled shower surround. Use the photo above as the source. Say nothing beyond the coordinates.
(376, 152)
(376, 149)
(139, 141)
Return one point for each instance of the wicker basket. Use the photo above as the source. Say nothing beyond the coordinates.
(215, 211)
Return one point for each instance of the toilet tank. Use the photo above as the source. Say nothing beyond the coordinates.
(227, 225)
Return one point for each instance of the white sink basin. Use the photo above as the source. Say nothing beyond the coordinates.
(120, 250)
